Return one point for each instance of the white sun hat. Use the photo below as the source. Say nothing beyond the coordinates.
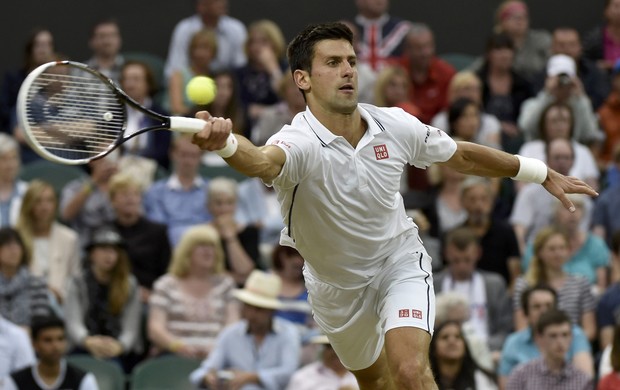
(261, 290)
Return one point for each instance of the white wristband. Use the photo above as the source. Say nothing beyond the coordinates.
(230, 148)
(531, 170)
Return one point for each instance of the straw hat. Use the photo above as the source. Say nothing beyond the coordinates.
(261, 290)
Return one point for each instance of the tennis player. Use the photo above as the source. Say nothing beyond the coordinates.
(336, 170)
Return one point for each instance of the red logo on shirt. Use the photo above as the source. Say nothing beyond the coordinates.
(381, 152)
(416, 314)
(280, 142)
(402, 313)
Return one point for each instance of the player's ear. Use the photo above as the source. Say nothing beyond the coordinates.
(302, 79)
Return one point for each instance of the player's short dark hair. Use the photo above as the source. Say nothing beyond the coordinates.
(41, 323)
(551, 317)
(525, 296)
(301, 49)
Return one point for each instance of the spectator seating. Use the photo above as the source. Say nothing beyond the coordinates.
(163, 373)
(109, 375)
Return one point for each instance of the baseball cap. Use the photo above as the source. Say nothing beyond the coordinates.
(561, 64)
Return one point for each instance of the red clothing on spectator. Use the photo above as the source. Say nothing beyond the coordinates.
(609, 117)
(432, 95)
(610, 381)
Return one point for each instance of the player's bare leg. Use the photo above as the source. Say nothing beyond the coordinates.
(407, 355)
(377, 376)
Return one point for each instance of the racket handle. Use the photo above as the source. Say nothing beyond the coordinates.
(186, 125)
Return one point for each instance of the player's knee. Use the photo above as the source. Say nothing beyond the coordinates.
(413, 372)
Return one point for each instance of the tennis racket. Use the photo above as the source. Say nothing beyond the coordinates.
(72, 114)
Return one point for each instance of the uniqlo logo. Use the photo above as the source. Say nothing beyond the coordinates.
(416, 314)
(381, 152)
(403, 313)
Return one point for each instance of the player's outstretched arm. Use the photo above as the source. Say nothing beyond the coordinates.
(474, 159)
(265, 162)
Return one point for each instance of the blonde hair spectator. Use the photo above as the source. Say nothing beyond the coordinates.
(273, 34)
(196, 235)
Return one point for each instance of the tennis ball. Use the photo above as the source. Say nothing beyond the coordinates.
(201, 90)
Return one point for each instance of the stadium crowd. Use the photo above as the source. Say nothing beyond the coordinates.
(160, 250)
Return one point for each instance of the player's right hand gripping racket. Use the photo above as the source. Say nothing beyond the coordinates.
(72, 114)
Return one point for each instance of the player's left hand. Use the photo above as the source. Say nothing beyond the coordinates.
(559, 185)
(215, 132)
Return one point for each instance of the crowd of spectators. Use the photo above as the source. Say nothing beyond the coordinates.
(145, 255)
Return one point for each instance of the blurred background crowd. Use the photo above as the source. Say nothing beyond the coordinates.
(161, 251)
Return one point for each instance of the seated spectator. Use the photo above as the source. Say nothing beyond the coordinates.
(22, 295)
(260, 77)
(430, 76)
(601, 43)
(534, 207)
(486, 292)
(15, 348)
(588, 253)
(12, 189)
(210, 15)
(240, 242)
(288, 264)
(466, 84)
(54, 248)
(327, 372)
(84, 202)
(453, 306)
(192, 303)
(503, 88)
(609, 368)
(500, 249)
(51, 371)
(605, 219)
(179, 201)
(102, 308)
(138, 81)
(531, 46)
(556, 121)
(226, 103)
(452, 364)
(608, 306)
(464, 122)
(366, 75)
(609, 120)
(392, 90)
(551, 371)
(234, 357)
(521, 347)
(146, 242)
(446, 211)
(562, 86)
(105, 43)
(38, 50)
(273, 118)
(550, 253)
(202, 49)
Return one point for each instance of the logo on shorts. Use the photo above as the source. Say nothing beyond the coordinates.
(403, 313)
(381, 152)
(416, 314)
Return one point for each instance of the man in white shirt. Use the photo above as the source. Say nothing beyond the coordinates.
(231, 36)
(15, 349)
(336, 170)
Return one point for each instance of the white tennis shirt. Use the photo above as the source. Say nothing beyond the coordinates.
(341, 206)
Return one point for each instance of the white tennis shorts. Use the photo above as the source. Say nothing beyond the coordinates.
(356, 320)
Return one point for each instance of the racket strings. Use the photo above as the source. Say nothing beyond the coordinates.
(74, 115)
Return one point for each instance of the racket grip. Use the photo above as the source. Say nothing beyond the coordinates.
(186, 125)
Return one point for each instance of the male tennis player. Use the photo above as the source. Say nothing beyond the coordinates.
(336, 170)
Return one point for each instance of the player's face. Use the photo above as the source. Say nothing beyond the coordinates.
(332, 83)
(50, 345)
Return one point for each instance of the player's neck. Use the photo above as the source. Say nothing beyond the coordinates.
(349, 126)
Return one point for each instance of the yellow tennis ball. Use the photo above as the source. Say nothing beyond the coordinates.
(201, 90)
